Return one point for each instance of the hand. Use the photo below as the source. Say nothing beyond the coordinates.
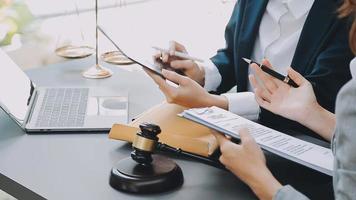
(188, 67)
(298, 104)
(188, 93)
(282, 99)
(248, 162)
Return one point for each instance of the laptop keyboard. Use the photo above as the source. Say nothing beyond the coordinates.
(63, 107)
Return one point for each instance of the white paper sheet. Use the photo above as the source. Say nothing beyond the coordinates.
(305, 153)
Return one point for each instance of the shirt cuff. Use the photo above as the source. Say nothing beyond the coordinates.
(212, 76)
(288, 192)
(243, 104)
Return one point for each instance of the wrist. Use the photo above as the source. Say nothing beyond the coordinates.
(320, 121)
(217, 100)
(309, 114)
(264, 185)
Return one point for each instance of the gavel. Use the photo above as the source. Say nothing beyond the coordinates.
(146, 172)
(143, 172)
(146, 143)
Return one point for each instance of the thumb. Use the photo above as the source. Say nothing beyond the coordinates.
(221, 139)
(267, 63)
(296, 77)
(174, 77)
(166, 88)
(175, 46)
(245, 136)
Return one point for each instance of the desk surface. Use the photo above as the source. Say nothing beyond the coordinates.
(77, 166)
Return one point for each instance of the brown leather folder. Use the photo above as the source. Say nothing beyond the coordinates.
(176, 131)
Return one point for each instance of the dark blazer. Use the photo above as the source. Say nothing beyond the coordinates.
(322, 55)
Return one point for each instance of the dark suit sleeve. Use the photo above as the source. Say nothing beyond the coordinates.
(331, 69)
(224, 59)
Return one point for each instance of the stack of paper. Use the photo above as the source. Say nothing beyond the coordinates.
(305, 153)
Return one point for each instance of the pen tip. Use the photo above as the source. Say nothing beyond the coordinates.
(247, 60)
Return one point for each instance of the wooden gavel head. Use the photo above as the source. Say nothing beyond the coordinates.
(145, 143)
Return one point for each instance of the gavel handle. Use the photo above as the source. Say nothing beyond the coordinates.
(179, 152)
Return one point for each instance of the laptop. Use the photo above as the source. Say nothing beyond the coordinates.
(57, 109)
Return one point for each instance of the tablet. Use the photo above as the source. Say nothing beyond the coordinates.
(142, 55)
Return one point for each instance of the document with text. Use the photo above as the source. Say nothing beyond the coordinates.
(308, 154)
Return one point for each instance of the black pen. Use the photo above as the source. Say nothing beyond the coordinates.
(273, 73)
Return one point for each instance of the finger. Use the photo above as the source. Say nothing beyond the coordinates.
(296, 77)
(226, 161)
(158, 80)
(182, 64)
(254, 82)
(174, 77)
(260, 92)
(228, 148)
(222, 141)
(266, 63)
(257, 88)
(219, 137)
(175, 46)
(245, 136)
(223, 160)
(151, 74)
(157, 55)
(165, 57)
(172, 47)
(264, 94)
(163, 85)
(263, 103)
(267, 80)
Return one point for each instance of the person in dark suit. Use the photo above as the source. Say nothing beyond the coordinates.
(247, 161)
(304, 34)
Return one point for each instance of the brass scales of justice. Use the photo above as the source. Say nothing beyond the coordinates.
(81, 51)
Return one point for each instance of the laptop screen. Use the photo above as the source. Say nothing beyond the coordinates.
(15, 88)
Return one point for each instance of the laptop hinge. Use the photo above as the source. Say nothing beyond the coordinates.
(32, 107)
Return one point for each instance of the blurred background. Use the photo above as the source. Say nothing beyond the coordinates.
(31, 30)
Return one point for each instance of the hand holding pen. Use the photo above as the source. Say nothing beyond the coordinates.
(165, 52)
(268, 70)
(179, 59)
(297, 104)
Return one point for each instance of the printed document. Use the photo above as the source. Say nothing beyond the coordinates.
(308, 154)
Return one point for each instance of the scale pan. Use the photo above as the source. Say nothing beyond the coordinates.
(72, 52)
(116, 58)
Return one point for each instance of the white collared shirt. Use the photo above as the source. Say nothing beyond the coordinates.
(277, 40)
